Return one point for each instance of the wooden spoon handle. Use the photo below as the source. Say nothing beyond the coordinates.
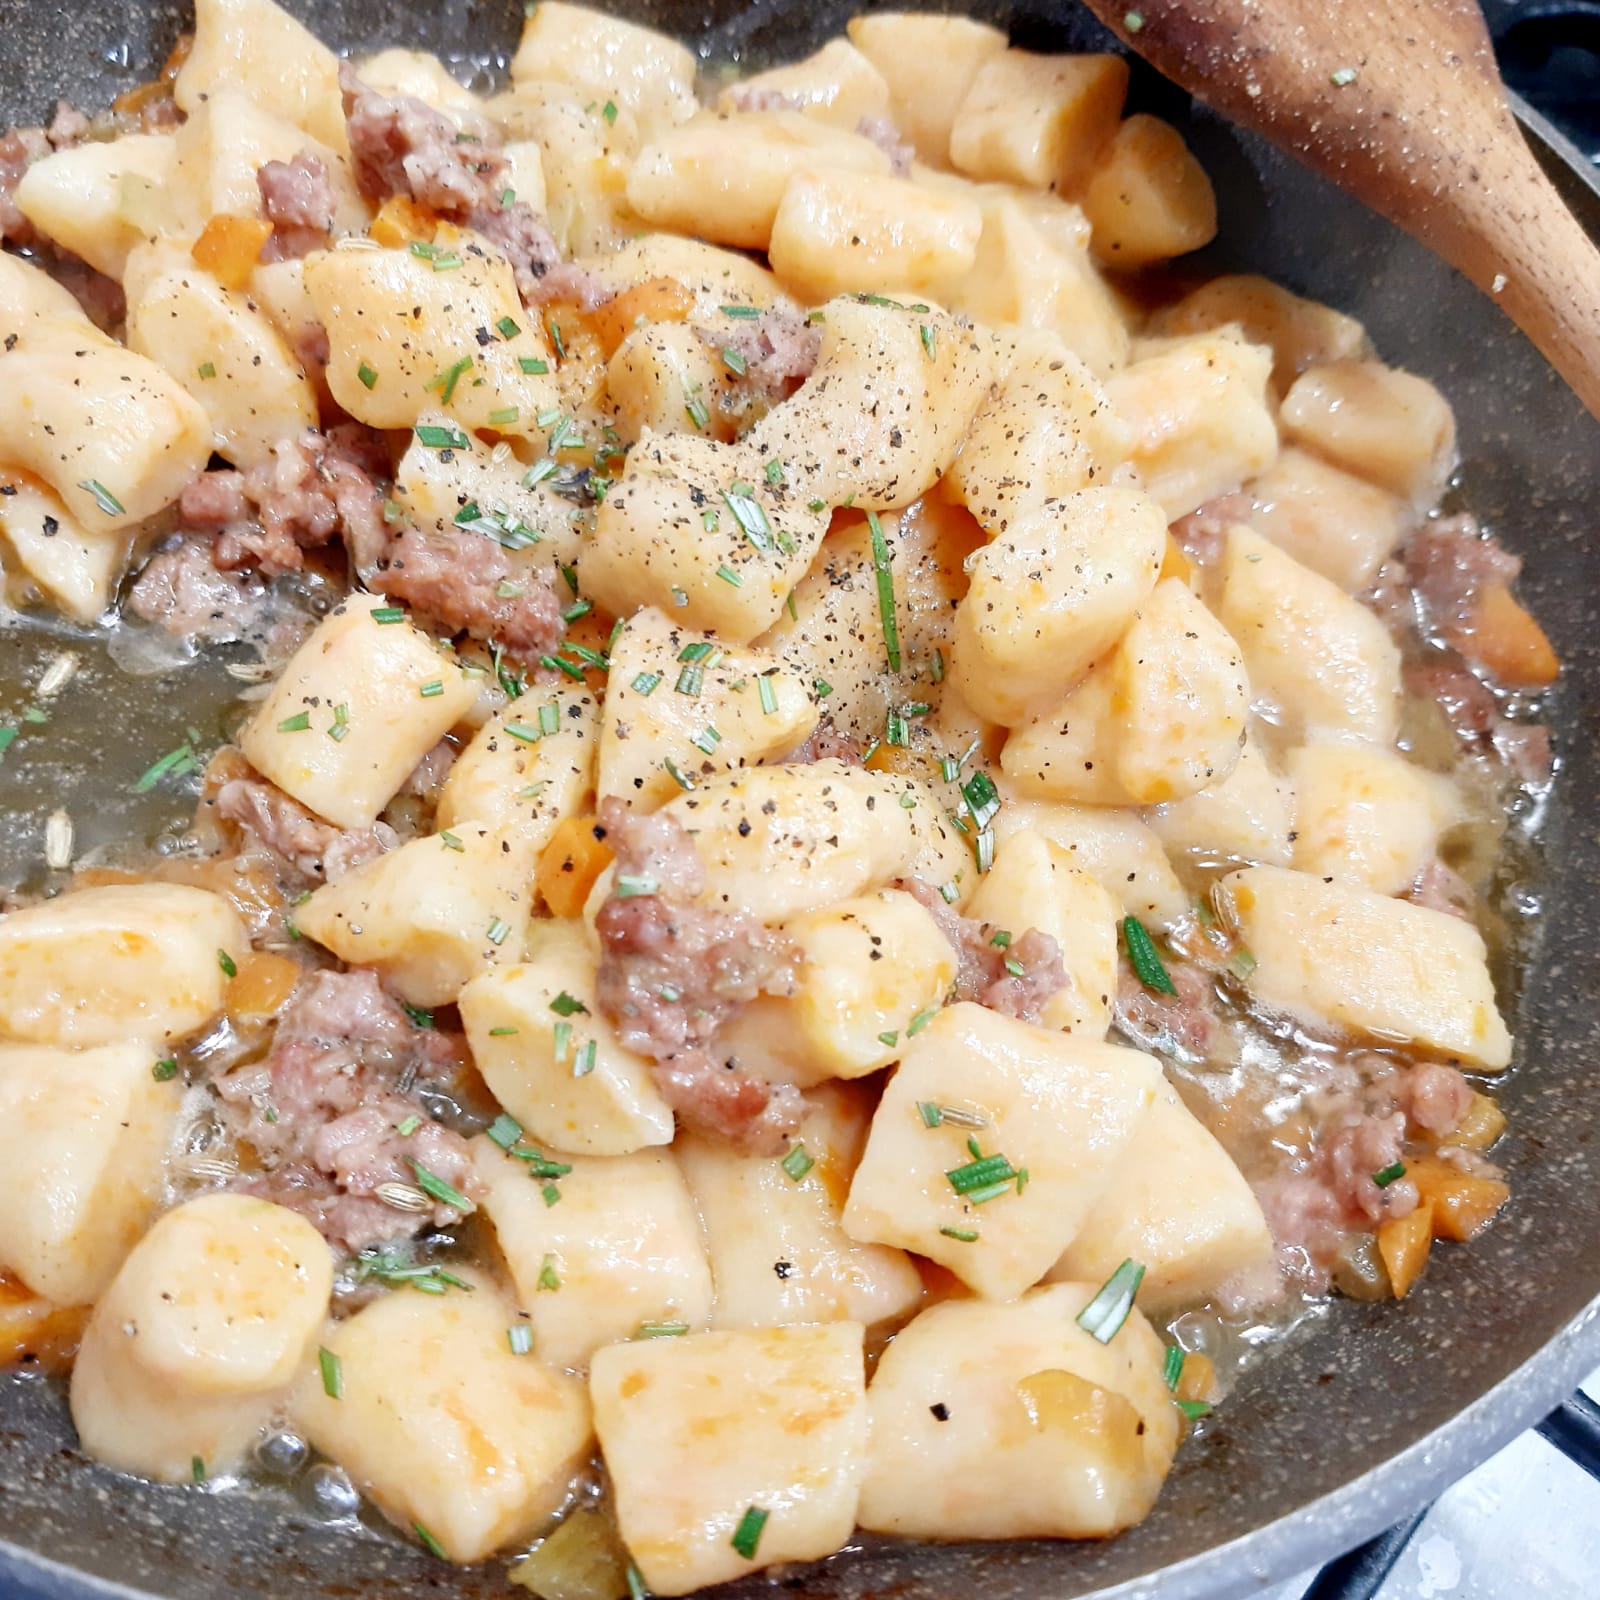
(1400, 103)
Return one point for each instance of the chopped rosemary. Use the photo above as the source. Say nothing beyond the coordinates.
(748, 1534)
(1145, 958)
(885, 576)
(332, 1373)
(1104, 1315)
(446, 1194)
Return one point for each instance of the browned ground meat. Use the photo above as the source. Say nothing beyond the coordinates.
(1368, 1115)
(1185, 1024)
(312, 488)
(748, 97)
(324, 1109)
(19, 149)
(828, 743)
(297, 199)
(1473, 712)
(575, 284)
(457, 579)
(305, 849)
(1441, 888)
(181, 591)
(401, 146)
(1202, 534)
(671, 972)
(780, 348)
(1451, 561)
(985, 973)
(67, 127)
(883, 133)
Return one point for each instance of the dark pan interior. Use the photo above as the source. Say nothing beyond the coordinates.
(1334, 1438)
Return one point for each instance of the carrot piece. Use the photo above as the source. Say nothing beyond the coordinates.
(1483, 1123)
(1463, 1206)
(1197, 1380)
(1176, 563)
(1404, 1242)
(654, 300)
(1503, 637)
(569, 865)
(264, 981)
(33, 1327)
(400, 220)
(229, 246)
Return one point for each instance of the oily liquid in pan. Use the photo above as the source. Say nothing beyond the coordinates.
(103, 699)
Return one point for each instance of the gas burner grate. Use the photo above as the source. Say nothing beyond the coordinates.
(1573, 1428)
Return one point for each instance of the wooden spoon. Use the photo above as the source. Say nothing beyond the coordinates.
(1400, 103)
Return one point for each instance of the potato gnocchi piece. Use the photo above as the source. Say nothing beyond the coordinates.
(1055, 1107)
(1161, 718)
(430, 916)
(1321, 665)
(1301, 333)
(1033, 270)
(837, 85)
(400, 694)
(97, 966)
(662, 369)
(400, 336)
(1011, 1422)
(704, 1433)
(419, 74)
(111, 433)
(694, 528)
(1048, 431)
(929, 63)
(778, 1253)
(230, 358)
(622, 1250)
(841, 230)
(1335, 954)
(1034, 883)
(584, 155)
(1367, 816)
(443, 1424)
(1116, 848)
(255, 42)
(1177, 1205)
(606, 58)
(78, 570)
(1247, 819)
(531, 1028)
(776, 841)
(1199, 415)
(1390, 427)
(682, 705)
(1038, 120)
(1050, 594)
(1148, 199)
(29, 294)
(715, 277)
(869, 967)
(89, 198)
(200, 1338)
(83, 1136)
(529, 767)
(1327, 519)
(435, 487)
(722, 177)
(886, 412)
(224, 142)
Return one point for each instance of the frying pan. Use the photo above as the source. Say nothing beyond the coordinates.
(1336, 1437)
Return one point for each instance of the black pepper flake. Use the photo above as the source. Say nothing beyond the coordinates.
(940, 1411)
(783, 1268)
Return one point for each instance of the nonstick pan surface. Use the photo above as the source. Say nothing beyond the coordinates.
(1355, 1425)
